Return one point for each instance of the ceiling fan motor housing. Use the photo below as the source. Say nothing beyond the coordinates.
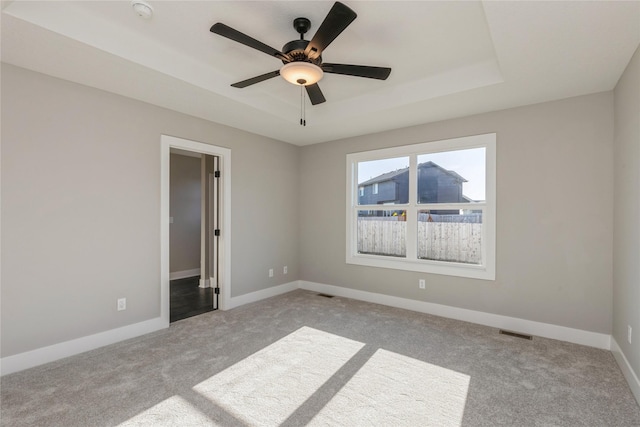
(294, 50)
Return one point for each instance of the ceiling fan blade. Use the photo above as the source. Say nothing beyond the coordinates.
(338, 18)
(256, 79)
(315, 94)
(380, 73)
(235, 35)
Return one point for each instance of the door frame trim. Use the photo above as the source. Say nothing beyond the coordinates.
(166, 143)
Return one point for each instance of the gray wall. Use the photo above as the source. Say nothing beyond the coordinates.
(626, 240)
(554, 215)
(81, 195)
(81, 208)
(184, 208)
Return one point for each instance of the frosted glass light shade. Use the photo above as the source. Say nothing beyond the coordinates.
(301, 73)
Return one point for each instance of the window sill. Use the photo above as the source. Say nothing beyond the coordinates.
(423, 266)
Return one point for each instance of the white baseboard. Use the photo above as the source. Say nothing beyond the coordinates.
(577, 336)
(207, 283)
(54, 352)
(184, 274)
(262, 294)
(69, 348)
(628, 372)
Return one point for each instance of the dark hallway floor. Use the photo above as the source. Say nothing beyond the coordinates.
(188, 299)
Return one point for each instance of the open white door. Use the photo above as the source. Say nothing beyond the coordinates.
(221, 241)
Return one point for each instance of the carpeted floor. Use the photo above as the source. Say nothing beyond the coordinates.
(301, 359)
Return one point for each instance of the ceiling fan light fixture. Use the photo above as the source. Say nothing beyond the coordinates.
(301, 73)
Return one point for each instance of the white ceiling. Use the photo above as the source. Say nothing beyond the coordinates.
(449, 59)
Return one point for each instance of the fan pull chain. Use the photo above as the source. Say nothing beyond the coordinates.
(303, 109)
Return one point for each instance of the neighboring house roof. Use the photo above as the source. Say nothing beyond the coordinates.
(390, 175)
(385, 177)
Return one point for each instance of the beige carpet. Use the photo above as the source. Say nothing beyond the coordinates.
(174, 411)
(268, 386)
(300, 359)
(395, 390)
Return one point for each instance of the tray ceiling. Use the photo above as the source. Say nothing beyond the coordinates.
(449, 59)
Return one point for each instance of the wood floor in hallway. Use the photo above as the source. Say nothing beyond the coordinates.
(188, 299)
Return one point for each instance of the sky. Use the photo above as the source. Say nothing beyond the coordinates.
(470, 164)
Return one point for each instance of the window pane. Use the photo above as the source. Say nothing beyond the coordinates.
(382, 232)
(450, 237)
(383, 182)
(452, 176)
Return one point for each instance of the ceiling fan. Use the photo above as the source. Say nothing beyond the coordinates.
(302, 58)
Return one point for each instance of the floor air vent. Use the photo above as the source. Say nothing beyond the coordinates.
(325, 295)
(516, 334)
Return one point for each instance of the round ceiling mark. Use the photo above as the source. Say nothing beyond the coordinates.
(142, 9)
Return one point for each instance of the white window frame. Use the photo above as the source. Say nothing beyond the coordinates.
(375, 188)
(486, 269)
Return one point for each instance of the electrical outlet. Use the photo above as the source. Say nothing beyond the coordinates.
(421, 284)
(285, 270)
(122, 304)
(629, 330)
(271, 272)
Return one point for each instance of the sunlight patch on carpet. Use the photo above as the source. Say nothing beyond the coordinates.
(268, 386)
(392, 389)
(174, 411)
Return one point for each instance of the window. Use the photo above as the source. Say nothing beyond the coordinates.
(432, 208)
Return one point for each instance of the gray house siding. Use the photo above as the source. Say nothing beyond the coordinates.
(435, 185)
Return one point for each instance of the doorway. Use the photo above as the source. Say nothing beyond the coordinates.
(193, 242)
(208, 286)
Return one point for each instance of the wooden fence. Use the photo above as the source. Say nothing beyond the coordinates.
(442, 241)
